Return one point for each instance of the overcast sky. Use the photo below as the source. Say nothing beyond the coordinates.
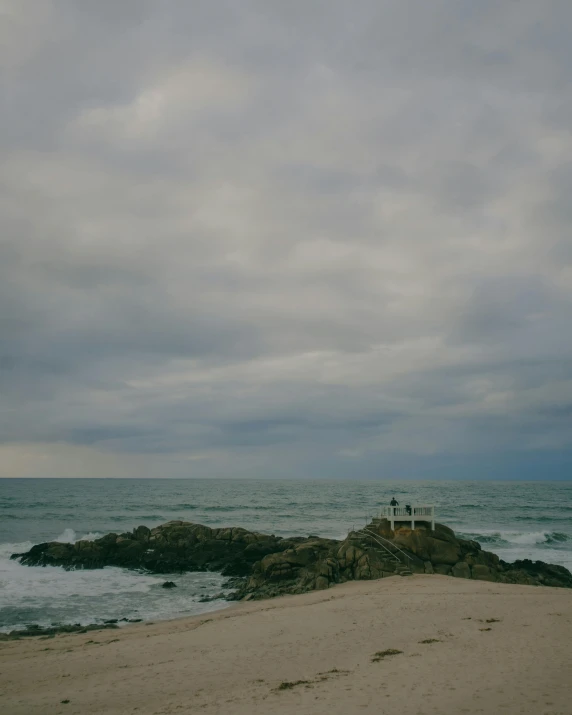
(259, 238)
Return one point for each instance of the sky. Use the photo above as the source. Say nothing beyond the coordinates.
(269, 239)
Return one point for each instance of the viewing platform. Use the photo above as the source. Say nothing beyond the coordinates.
(409, 514)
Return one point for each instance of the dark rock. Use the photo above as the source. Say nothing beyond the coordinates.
(169, 584)
(142, 533)
(443, 569)
(263, 566)
(216, 597)
(236, 582)
(462, 570)
(35, 630)
(177, 546)
(483, 573)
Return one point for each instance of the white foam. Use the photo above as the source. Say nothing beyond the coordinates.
(550, 556)
(526, 538)
(52, 594)
(22, 583)
(69, 536)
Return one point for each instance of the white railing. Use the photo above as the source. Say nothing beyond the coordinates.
(412, 513)
(394, 511)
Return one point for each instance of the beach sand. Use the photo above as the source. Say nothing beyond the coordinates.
(249, 659)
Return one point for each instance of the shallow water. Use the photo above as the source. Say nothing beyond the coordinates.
(515, 520)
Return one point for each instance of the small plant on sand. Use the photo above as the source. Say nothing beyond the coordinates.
(288, 685)
(430, 640)
(381, 654)
(485, 629)
(492, 620)
(64, 702)
(333, 673)
(334, 670)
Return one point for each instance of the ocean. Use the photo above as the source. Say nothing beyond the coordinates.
(515, 520)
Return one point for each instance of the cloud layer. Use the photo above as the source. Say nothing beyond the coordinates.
(286, 239)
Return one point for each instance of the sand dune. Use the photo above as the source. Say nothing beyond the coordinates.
(465, 647)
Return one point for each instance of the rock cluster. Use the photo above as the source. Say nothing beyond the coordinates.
(381, 552)
(51, 631)
(270, 566)
(177, 546)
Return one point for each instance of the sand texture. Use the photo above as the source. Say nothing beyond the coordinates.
(464, 647)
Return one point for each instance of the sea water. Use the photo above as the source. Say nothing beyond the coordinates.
(515, 520)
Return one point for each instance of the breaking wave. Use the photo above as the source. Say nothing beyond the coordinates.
(508, 538)
(69, 536)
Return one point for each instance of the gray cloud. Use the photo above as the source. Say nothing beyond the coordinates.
(313, 238)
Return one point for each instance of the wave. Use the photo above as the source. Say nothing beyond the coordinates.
(541, 519)
(6, 550)
(138, 517)
(192, 507)
(244, 507)
(514, 538)
(69, 536)
(143, 507)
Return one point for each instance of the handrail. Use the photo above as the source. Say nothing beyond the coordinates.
(378, 536)
(413, 510)
(380, 539)
(372, 536)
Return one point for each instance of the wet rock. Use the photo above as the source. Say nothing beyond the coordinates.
(176, 546)
(169, 584)
(142, 533)
(235, 582)
(37, 631)
(216, 597)
(264, 566)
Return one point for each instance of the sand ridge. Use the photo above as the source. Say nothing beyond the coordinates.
(423, 644)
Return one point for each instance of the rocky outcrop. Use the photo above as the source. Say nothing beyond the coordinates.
(177, 546)
(51, 631)
(270, 566)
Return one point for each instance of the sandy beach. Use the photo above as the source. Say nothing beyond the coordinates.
(463, 647)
